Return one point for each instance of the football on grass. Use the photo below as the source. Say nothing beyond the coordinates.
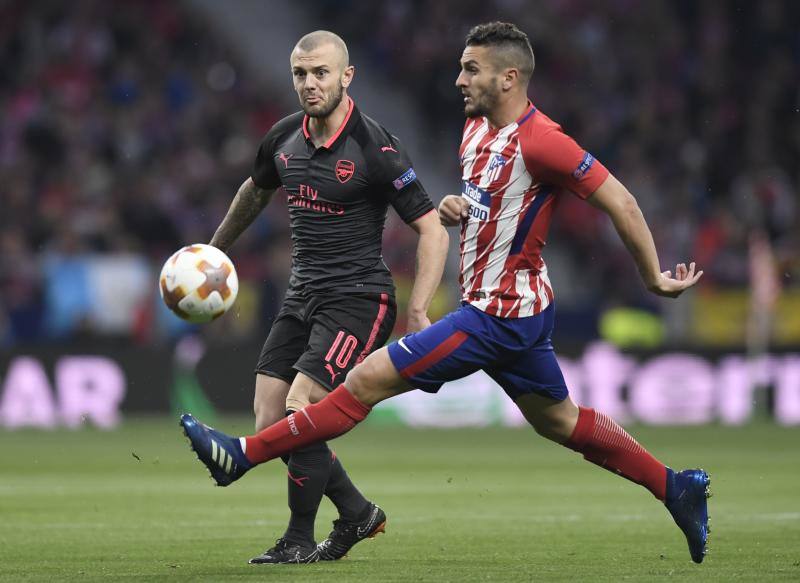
(198, 283)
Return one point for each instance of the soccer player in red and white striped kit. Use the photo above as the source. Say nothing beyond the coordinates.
(516, 165)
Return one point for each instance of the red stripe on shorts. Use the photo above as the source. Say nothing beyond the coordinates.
(376, 326)
(450, 344)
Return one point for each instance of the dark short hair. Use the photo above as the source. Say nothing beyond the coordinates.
(515, 48)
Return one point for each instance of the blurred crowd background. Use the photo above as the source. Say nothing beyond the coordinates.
(127, 126)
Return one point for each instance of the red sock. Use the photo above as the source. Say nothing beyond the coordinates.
(334, 415)
(603, 442)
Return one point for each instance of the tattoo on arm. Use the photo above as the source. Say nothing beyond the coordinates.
(248, 202)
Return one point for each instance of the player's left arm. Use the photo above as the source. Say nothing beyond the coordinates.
(431, 256)
(556, 158)
(619, 204)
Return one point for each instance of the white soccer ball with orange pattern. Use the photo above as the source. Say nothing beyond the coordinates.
(199, 283)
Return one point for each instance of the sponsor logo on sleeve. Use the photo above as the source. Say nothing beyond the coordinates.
(584, 166)
(405, 179)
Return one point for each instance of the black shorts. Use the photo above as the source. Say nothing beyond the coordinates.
(324, 336)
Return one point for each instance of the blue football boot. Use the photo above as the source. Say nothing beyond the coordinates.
(687, 494)
(221, 454)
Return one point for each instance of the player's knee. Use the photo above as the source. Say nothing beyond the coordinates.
(266, 414)
(375, 379)
(363, 383)
(257, 410)
(546, 428)
(357, 382)
(554, 420)
(263, 420)
(556, 428)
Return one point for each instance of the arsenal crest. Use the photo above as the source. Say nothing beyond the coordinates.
(345, 170)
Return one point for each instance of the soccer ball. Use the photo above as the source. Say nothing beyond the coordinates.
(198, 283)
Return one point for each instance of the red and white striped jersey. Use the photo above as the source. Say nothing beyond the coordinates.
(512, 178)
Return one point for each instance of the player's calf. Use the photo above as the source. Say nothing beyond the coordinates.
(603, 442)
(334, 415)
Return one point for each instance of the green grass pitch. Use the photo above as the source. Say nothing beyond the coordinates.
(466, 505)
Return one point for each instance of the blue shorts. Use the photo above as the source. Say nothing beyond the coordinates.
(516, 352)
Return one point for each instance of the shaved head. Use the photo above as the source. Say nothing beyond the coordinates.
(317, 39)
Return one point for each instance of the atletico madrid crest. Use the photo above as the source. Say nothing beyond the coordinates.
(495, 168)
(345, 170)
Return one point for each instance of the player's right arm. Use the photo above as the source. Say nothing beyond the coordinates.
(255, 192)
(614, 199)
(248, 202)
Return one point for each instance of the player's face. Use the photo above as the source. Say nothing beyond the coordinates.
(319, 79)
(479, 82)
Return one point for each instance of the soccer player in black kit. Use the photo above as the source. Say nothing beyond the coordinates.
(340, 171)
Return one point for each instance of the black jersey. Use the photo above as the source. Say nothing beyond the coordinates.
(338, 195)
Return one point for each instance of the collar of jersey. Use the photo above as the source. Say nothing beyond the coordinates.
(351, 107)
(520, 120)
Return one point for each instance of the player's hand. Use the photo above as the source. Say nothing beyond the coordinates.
(671, 287)
(453, 209)
(417, 321)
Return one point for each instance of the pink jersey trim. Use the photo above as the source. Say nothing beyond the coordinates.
(376, 326)
(332, 139)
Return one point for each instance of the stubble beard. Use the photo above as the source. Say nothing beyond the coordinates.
(326, 108)
(484, 104)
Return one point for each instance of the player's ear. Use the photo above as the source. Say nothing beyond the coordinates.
(510, 78)
(347, 75)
